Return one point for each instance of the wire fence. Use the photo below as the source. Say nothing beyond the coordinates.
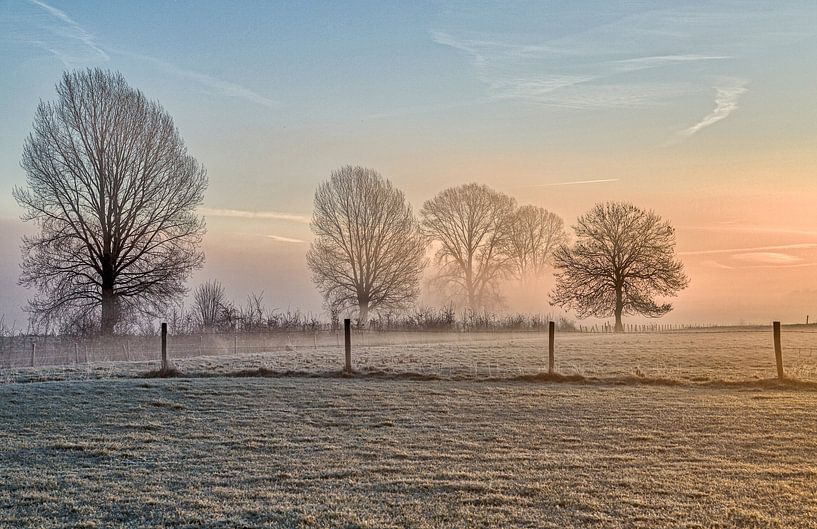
(682, 354)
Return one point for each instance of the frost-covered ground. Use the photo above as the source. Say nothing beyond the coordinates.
(685, 357)
(316, 452)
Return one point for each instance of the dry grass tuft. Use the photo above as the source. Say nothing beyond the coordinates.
(169, 372)
(551, 377)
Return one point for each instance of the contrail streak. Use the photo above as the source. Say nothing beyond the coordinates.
(243, 214)
(576, 182)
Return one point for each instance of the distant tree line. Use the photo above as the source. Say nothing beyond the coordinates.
(113, 192)
(362, 259)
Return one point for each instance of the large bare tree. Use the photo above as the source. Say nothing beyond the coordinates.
(367, 251)
(534, 234)
(623, 258)
(471, 225)
(113, 191)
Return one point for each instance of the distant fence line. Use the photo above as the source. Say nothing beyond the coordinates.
(32, 351)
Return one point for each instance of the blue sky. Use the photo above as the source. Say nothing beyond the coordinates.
(702, 110)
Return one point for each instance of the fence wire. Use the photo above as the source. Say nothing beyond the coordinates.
(683, 355)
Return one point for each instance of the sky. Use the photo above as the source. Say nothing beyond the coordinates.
(704, 111)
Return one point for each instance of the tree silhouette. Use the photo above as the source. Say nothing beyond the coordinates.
(622, 259)
(367, 251)
(472, 225)
(209, 302)
(534, 235)
(113, 191)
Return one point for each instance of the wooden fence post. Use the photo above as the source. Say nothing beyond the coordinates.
(33, 351)
(347, 336)
(551, 346)
(76, 353)
(164, 346)
(778, 350)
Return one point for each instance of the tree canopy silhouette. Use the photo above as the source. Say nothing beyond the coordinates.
(472, 225)
(209, 304)
(535, 233)
(367, 251)
(623, 258)
(113, 192)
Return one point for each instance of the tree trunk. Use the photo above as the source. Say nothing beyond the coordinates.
(469, 286)
(109, 311)
(363, 313)
(619, 309)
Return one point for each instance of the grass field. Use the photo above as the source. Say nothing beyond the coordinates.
(298, 452)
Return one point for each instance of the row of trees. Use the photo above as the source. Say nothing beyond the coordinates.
(369, 251)
(113, 192)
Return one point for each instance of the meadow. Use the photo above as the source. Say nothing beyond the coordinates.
(253, 452)
(656, 430)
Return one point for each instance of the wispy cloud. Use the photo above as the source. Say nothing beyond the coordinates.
(64, 38)
(82, 46)
(738, 227)
(567, 73)
(726, 102)
(280, 238)
(796, 246)
(215, 85)
(246, 214)
(715, 264)
(576, 182)
(656, 61)
(768, 258)
(772, 256)
(625, 55)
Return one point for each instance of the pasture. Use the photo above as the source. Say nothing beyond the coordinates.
(697, 439)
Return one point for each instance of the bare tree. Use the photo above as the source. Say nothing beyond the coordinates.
(208, 304)
(534, 234)
(367, 250)
(113, 191)
(472, 225)
(622, 259)
(254, 315)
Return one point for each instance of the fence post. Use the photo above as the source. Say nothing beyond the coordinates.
(33, 351)
(76, 353)
(164, 346)
(778, 350)
(347, 335)
(551, 346)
